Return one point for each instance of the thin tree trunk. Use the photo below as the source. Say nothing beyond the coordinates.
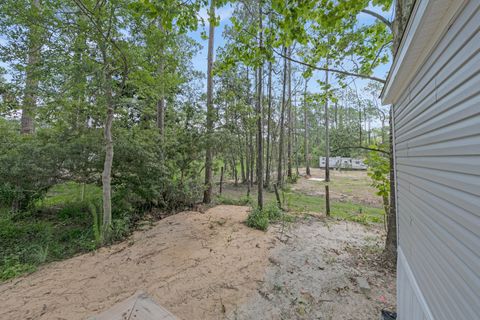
(235, 171)
(247, 159)
(242, 168)
(295, 136)
(269, 119)
(391, 240)
(259, 112)
(252, 160)
(222, 169)
(281, 124)
(327, 201)
(336, 114)
(29, 103)
(161, 116)
(107, 165)
(161, 100)
(207, 195)
(305, 129)
(289, 119)
(327, 137)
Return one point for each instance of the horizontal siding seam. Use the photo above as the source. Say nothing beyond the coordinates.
(473, 135)
(438, 183)
(432, 77)
(450, 108)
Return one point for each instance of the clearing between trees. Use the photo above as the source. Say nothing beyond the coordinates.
(212, 266)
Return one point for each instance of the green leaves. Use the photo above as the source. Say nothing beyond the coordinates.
(379, 171)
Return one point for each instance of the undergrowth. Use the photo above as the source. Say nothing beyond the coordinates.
(261, 218)
(67, 222)
(242, 201)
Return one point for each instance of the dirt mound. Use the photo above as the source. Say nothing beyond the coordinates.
(211, 266)
(196, 265)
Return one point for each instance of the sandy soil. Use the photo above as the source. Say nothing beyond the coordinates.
(211, 266)
(313, 275)
(191, 263)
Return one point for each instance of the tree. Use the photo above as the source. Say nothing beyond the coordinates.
(305, 131)
(207, 195)
(32, 76)
(259, 113)
(281, 122)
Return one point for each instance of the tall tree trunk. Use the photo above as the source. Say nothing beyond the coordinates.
(305, 130)
(391, 240)
(207, 195)
(80, 119)
(247, 158)
(29, 103)
(242, 168)
(336, 114)
(269, 119)
(289, 118)
(107, 165)
(161, 99)
(327, 136)
(282, 120)
(161, 116)
(259, 109)
(252, 159)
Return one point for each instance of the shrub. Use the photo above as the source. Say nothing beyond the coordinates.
(258, 219)
(12, 267)
(272, 211)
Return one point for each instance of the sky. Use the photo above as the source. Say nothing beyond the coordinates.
(225, 13)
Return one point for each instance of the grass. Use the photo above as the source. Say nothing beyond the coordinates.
(261, 218)
(228, 200)
(298, 202)
(70, 192)
(58, 227)
(344, 210)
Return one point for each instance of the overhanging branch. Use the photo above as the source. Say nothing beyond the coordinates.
(379, 17)
(364, 148)
(359, 75)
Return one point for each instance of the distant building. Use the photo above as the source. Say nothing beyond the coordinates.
(343, 163)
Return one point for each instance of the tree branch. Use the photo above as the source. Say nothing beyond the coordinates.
(379, 17)
(364, 76)
(364, 148)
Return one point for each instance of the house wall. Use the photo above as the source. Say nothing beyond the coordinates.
(437, 158)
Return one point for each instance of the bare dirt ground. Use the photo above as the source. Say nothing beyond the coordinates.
(313, 275)
(211, 266)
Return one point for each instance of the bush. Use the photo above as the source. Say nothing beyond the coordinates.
(31, 164)
(272, 211)
(12, 267)
(258, 219)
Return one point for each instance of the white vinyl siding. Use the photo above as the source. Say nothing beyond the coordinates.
(437, 158)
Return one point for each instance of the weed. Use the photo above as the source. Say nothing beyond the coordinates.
(12, 267)
(242, 201)
(258, 219)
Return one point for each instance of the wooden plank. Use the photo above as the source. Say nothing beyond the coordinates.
(138, 306)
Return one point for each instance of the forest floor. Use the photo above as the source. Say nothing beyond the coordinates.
(212, 266)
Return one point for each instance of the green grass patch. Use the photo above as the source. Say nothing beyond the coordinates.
(70, 192)
(58, 227)
(343, 210)
(242, 201)
(261, 218)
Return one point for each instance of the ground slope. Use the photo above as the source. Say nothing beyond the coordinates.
(211, 266)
